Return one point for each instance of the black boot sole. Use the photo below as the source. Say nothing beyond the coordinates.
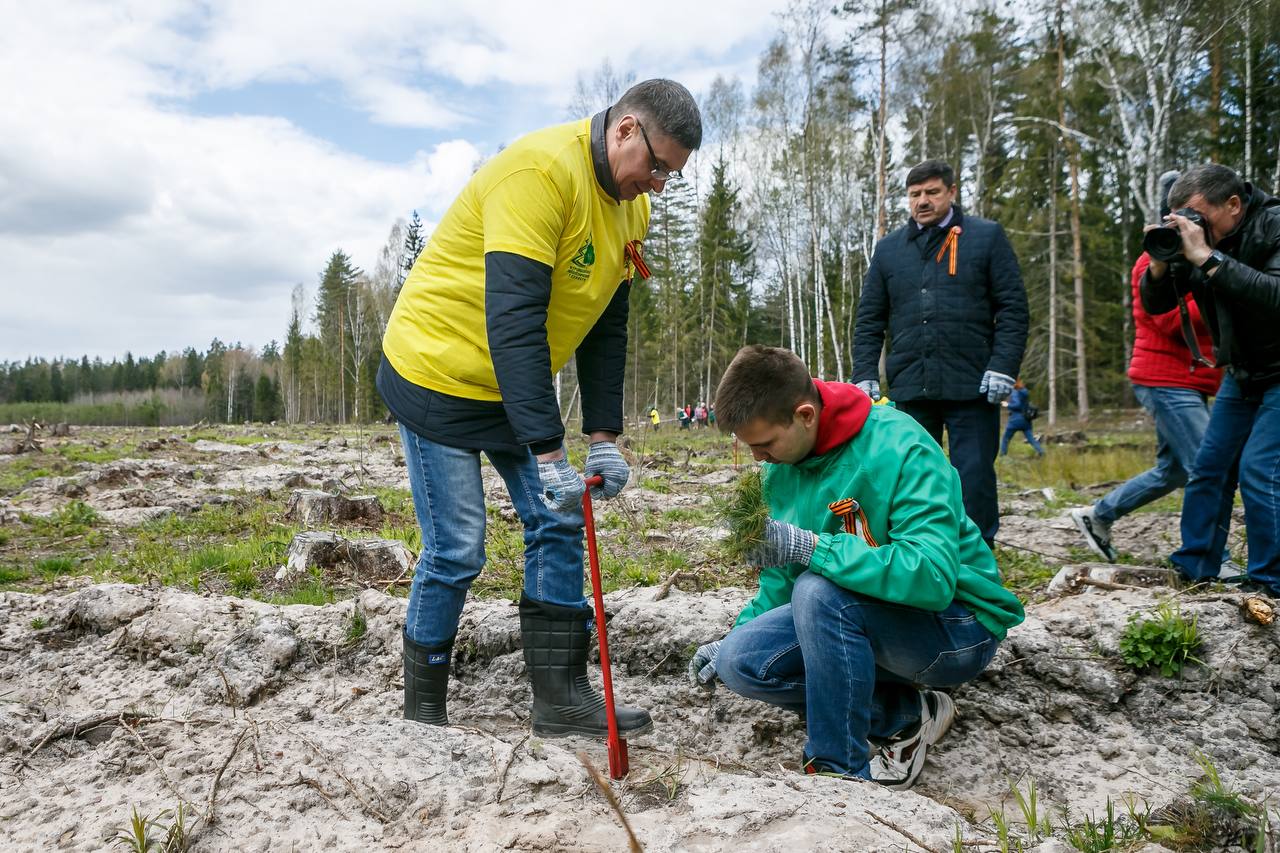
(571, 729)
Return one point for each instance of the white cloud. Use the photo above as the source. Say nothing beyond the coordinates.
(127, 222)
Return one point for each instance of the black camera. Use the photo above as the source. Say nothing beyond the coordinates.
(1165, 243)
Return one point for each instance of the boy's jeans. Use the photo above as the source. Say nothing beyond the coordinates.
(449, 501)
(851, 663)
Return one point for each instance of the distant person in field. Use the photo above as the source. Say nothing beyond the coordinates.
(947, 290)
(1021, 418)
(655, 420)
(530, 266)
(877, 592)
(1173, 377)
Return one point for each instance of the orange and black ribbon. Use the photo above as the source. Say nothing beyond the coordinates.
(952, 242)
(637, 260)
(850, 512)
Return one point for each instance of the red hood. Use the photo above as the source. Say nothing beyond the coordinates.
(845, 409)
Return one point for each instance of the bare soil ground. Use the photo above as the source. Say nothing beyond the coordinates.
(150, 657)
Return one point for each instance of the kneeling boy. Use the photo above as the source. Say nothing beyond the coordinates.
(877, 590)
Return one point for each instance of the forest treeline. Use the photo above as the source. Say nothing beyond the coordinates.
(1058, 116)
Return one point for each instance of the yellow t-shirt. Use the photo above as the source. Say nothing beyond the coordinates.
(538, 198)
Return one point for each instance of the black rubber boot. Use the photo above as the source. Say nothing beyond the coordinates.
(426, 682)
(556, 641)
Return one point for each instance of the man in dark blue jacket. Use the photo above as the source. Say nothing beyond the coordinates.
(948, 289)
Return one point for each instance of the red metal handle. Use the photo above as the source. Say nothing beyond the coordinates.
(617, 745)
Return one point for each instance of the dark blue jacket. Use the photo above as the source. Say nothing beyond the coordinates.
(1017, 409)
(945, 331)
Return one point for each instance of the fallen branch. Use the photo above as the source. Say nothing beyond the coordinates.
(664, 589)
(502, 779)
(904, 833)
(80, 726)
(607, 790)
(374, 813)
(163, 775)
(213, 789)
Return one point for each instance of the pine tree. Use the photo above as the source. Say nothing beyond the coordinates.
(414, 243)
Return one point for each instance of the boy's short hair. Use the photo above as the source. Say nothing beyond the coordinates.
(763, 382)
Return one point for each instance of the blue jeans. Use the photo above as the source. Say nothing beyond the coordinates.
(1181, 417)
(973, 437)
(1010, 431)
(449, 501)
(1241, 445)
(851, 664)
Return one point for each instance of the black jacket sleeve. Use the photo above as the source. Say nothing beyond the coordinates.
(873, 316)
(1009, 307)
(1159, 296)
(602, 365)
(1258, 288)
(517, 291)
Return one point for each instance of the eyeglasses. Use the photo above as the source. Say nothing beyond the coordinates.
(659, 172)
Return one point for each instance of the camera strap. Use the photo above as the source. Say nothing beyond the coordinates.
(1189, 337)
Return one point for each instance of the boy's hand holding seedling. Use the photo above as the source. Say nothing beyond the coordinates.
(783, 544)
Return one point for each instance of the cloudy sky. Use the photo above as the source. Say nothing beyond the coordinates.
(170, 170)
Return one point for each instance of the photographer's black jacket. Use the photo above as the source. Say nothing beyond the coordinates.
(1241, 302)
(945, 331)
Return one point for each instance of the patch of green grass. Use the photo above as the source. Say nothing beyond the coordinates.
(357, 626)
(5, 537)
(503, 573)
(661, 485)
(52, 567)
(314, 591)
(90, 453)
(687, 515)
(1025, 574)
(17, 471)
(73, 519)
(1107, 834)
(1166, 641)
(395, 501)
(39, 623)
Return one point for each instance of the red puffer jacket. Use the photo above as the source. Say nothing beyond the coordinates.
(1161, 357)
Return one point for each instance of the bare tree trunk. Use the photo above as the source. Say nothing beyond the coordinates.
(1077, 262)
(1215, 94)
(1126, 299)
(1053, 286)
(1247, 171)
(882, 165)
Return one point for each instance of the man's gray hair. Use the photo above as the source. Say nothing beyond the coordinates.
(668, 105)
(1215, 183)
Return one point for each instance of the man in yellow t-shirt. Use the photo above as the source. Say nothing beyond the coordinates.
(531, 264)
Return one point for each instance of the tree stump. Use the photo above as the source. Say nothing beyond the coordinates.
(376, 559)
(311, 508)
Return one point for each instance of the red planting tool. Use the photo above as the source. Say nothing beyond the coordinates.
(617, 745)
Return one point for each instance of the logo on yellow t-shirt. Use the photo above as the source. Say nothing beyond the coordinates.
(580, 264)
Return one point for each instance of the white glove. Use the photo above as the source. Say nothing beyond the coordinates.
(996, 386)
(870, 387)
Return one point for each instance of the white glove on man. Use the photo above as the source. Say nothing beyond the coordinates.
(996, 386)
(870, 387)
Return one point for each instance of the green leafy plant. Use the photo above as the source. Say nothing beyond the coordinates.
(39, 623)
(746, 513)
(1103, 835)
(145, 834)
(357, 626)
(1165, 641)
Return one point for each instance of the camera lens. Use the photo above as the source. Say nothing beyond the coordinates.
(1163, 244)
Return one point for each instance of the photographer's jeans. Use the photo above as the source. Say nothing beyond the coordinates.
(448, 497)
(1181, 417)
(1242, 444)
(852, 664)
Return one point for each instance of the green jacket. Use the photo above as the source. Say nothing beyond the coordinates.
(928, 552)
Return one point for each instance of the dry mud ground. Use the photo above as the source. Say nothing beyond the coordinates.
(278, 726)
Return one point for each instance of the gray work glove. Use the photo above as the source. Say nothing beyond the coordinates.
(702, 667)
(605, 459)
(783, 544)
(996, 386)
(870, 387)
(562, 486)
